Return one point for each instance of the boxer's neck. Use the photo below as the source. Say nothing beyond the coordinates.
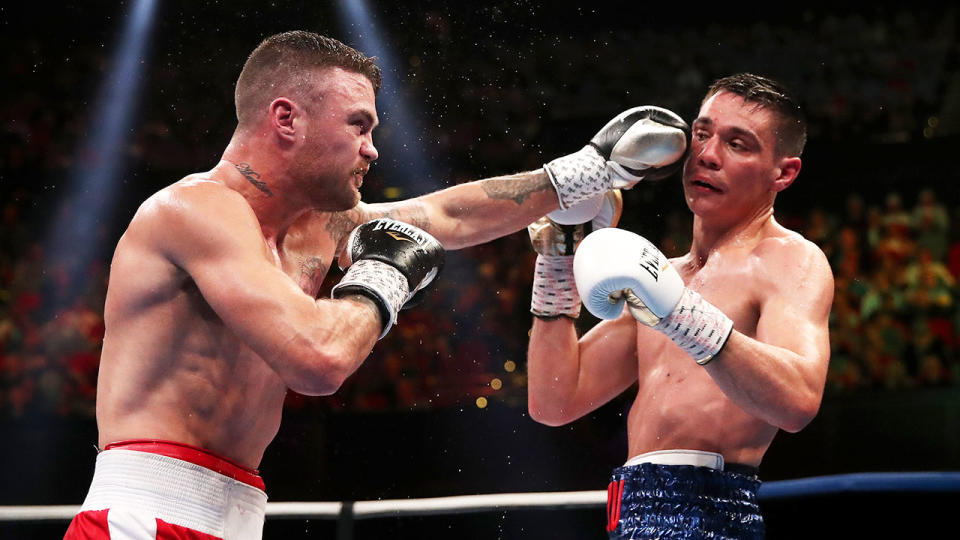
(744, 233)
(268, 199)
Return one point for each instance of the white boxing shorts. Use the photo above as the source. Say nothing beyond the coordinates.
(159, 490)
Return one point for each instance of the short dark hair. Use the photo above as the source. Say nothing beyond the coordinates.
(289, 57)
(773, 96)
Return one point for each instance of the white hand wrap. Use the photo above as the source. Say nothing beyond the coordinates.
(381, 279)
(579, 176)
(554, 290)
(696, 326)
(640, 143)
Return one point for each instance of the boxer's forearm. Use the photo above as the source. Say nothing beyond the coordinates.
(476, 212)
(553, 371)
(772, 383)
(569, 377)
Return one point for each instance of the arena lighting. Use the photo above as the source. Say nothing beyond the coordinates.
(403, 159)
(87, 205)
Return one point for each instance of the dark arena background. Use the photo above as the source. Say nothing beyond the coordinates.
(104, 103)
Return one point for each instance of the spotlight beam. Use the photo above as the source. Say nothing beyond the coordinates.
(408, 163)
(72, 239)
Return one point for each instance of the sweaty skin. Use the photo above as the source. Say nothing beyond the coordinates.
(211, 311)
(776, 287)
(173, 369)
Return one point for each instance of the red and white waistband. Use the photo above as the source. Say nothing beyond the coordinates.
(180, 484)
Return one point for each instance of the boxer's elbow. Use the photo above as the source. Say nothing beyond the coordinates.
(794, 424)
(800, 414)
(320, 370)
(548, 414)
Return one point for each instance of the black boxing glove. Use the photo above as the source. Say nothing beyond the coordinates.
(641, 143)
(391, 262)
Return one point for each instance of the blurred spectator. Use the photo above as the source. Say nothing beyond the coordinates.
(932, 225)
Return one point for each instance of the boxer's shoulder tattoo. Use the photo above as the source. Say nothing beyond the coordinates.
(253, 177)
(309, 266)
(341, 223)
(514, 187)
(312, 271)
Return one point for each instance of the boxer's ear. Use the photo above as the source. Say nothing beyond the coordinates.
(282, 113)
(786, 172)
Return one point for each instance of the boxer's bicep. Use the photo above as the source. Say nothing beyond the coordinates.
(340, 224)
(794, 314)
(222, 249)
(412, 211)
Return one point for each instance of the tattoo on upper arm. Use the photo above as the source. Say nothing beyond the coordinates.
(253, 177)
(515, 187)
(341, 223)
(411, 211)
(312, 271)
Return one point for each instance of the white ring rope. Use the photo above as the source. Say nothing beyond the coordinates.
(930, 482)
(368, 509)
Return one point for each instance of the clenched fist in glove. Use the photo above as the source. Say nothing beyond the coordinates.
(641, 143)
(614, 267)
(391, 262)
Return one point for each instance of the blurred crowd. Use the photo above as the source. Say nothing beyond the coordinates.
(892, 78)
(895, 319)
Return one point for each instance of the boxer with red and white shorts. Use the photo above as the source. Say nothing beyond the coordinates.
(213, 310)
(160, 490)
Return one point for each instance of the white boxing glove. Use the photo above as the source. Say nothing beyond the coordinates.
(641, 143)
(554, 292)
(613, 268)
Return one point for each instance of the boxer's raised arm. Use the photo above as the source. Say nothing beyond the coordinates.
(212, 234)
(567, 377)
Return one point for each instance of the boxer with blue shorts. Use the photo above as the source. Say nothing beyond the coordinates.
(724, 345)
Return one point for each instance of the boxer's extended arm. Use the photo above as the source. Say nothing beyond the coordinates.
(780, 376)
(474, 212)
(641, 143)
(211, 233)
(567, 378)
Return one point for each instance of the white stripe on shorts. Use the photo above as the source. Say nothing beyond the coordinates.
(178, 492)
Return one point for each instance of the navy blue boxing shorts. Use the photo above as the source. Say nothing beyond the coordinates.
(667, 501)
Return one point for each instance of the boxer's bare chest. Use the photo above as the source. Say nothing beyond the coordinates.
(310, 247)
(728, 280)
(678, 404)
